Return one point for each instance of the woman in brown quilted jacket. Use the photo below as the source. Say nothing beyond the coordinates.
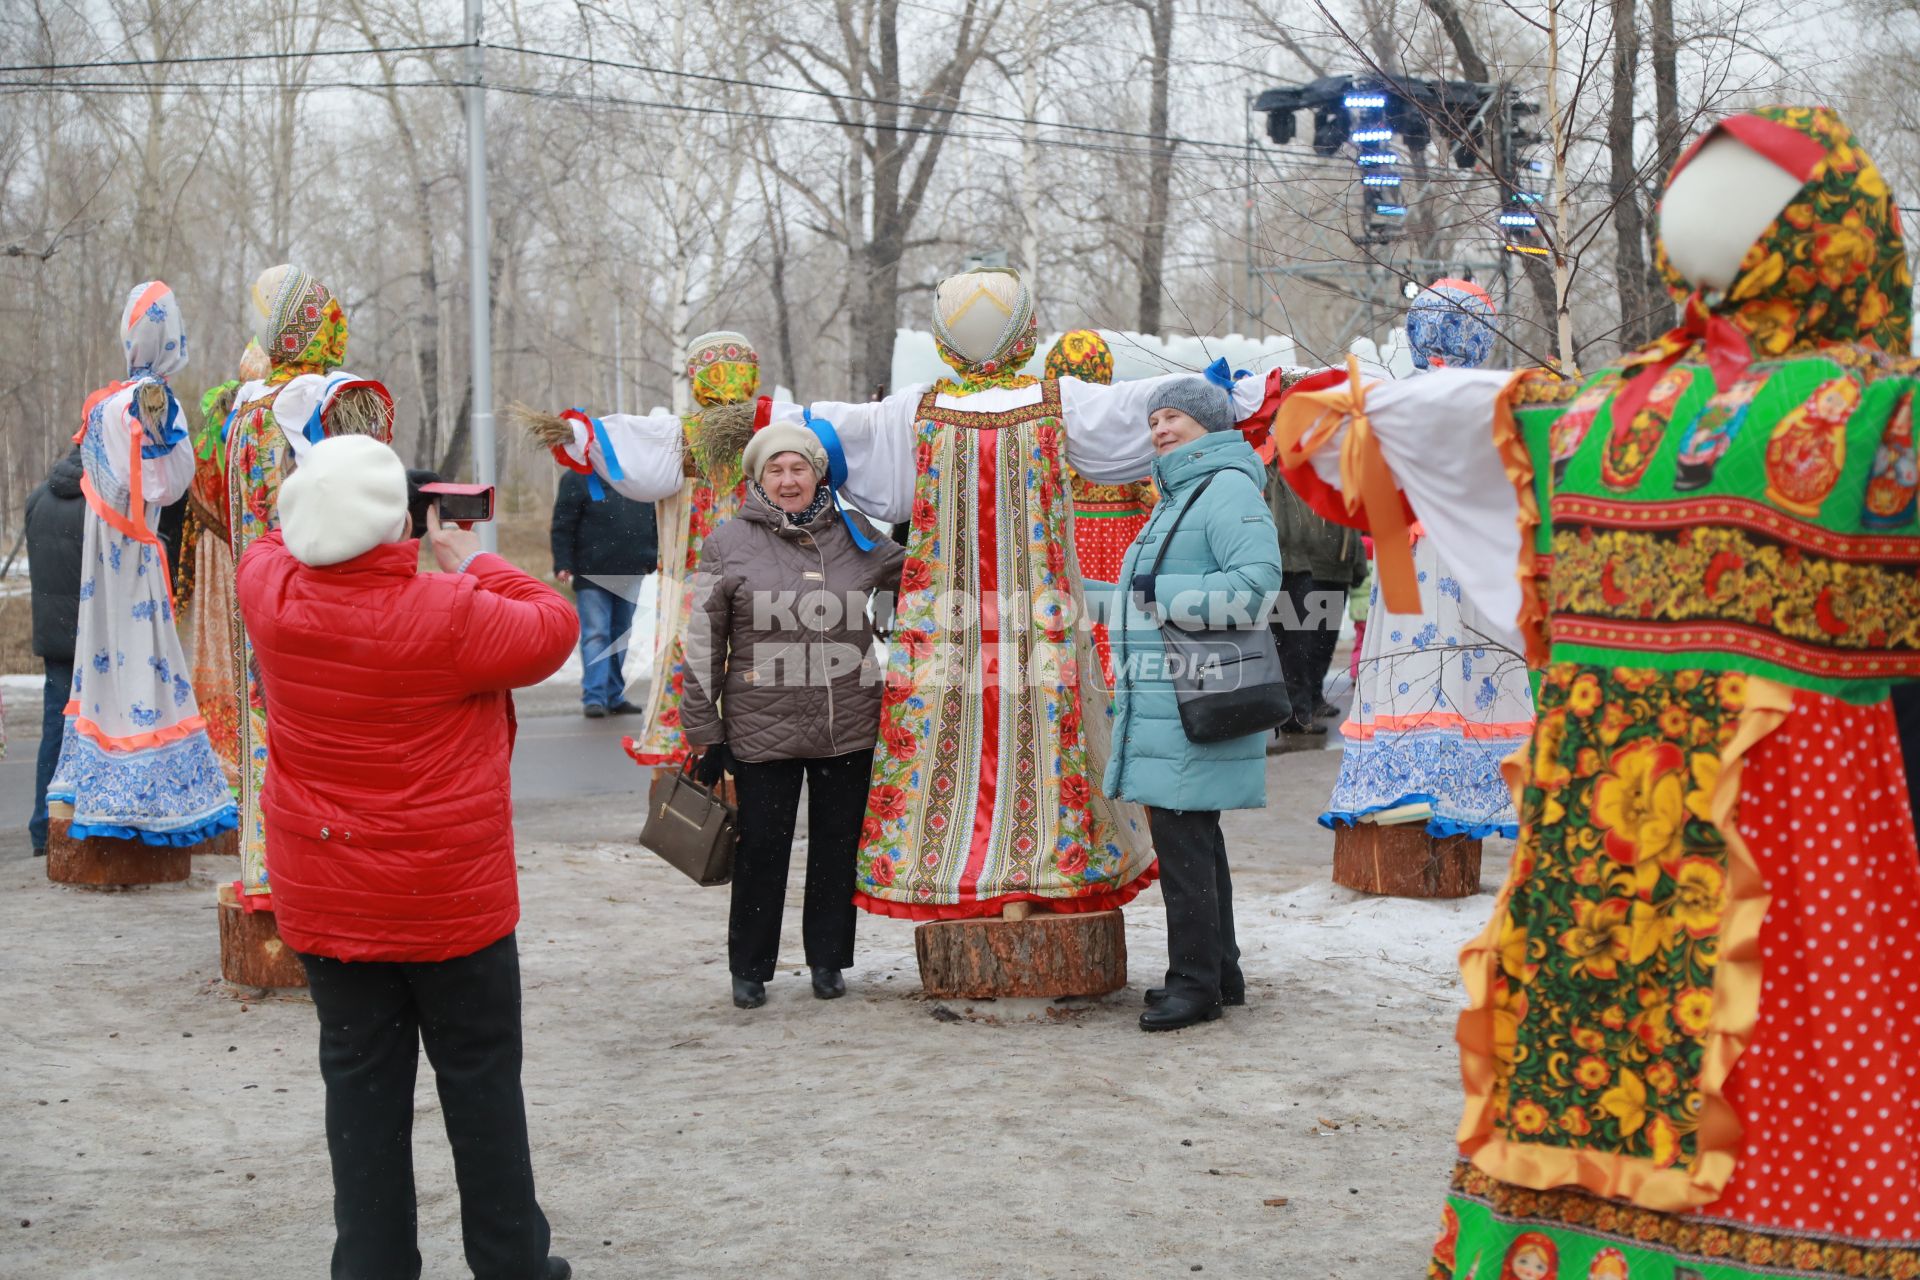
(782, 686)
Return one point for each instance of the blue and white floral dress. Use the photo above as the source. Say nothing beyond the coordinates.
(1437, 705)
(136, 762)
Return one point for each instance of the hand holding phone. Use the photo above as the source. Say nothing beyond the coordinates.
(451, 543)
(461, 504)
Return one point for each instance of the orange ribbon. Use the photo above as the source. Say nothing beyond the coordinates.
(1308, 419)
(133, 524)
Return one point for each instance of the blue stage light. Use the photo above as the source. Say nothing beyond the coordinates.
(1372, 135)
(1362, 101)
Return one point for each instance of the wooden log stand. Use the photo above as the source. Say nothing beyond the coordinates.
(1403, 861)
(102, 862)
(1039, 956)
(251, 952)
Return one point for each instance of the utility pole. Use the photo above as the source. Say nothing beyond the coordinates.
(478, 253)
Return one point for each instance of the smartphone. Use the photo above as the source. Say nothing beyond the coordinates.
(461, 504)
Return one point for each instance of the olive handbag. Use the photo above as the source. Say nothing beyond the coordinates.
(1227, 680)
(691, 827)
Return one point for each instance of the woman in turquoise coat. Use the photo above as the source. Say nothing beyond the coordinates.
(1221, 566)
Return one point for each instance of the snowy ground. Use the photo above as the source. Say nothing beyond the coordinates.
(160, 1125)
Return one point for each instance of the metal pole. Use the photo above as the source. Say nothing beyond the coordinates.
(619, 380)
(478, 252)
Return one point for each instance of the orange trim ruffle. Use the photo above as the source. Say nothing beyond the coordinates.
(1736, 1010)
(1512, 447)
(138, 741)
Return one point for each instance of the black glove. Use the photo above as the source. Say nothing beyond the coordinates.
(716, 762)
(1143, 589)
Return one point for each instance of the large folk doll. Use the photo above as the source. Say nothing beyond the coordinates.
(985, 785)
(699, 488)
(305, 397)
(204, 587)
(135, 762)
(1106, 517)
(1691, 1035)
(1437, 702)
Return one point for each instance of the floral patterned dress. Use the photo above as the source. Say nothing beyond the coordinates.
(135, 761)
(1689, 1046)
(307, 335)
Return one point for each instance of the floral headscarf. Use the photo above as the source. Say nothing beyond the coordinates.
(153, 331)
(723, 368)
(304, 326)
(1451, 325)
(1832, 268)
(1018, 337)
(1082, 354)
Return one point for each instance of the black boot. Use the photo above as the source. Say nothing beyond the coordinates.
(1231, 999)
(1176, 1012)
(557, 1269)
(748, 994)
(828, 984)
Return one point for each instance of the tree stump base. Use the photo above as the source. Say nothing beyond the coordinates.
(103, 862)
(251, 952)
(226, 844)
(1046, 956)
(1403, 861)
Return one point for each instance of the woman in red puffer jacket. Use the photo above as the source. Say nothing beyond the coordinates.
(389, 822)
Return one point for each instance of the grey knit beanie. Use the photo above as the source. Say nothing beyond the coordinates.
(1206, 403)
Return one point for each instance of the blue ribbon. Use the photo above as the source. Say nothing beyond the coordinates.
(1222, 375)
(836, 473)
(595, 489)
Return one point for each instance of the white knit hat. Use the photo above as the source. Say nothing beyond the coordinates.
(347, 496)
(787, 436)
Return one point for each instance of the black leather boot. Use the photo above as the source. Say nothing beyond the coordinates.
(748, 994)
(828, 984)
(557, 1269)
(1175, 1012)
(1230, 999)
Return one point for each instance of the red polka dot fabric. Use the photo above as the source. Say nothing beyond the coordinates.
(1827, 1091)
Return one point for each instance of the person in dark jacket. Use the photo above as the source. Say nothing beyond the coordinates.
(782, 686)
(602, 547)
(389, 814)
(56, 531)
(1320, 561)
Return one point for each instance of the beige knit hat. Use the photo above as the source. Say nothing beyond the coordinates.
(787, 436)
(347, 496)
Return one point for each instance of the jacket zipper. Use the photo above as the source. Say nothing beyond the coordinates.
(833, 737)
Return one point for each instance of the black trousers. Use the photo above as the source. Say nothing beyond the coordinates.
(1307, 638)
(373, 1018)
(769, 808)
(1203, 959)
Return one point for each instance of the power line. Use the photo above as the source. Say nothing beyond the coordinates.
(190, 59)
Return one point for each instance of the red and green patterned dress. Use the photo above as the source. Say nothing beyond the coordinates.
(1694, 1019)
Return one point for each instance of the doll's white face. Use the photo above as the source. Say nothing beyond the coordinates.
(1718, 206)
(976, 307)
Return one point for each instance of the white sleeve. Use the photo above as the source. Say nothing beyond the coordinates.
(877, 437)
(1107, 440)
(647, 451)
(1436, 433)
(165, 478)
